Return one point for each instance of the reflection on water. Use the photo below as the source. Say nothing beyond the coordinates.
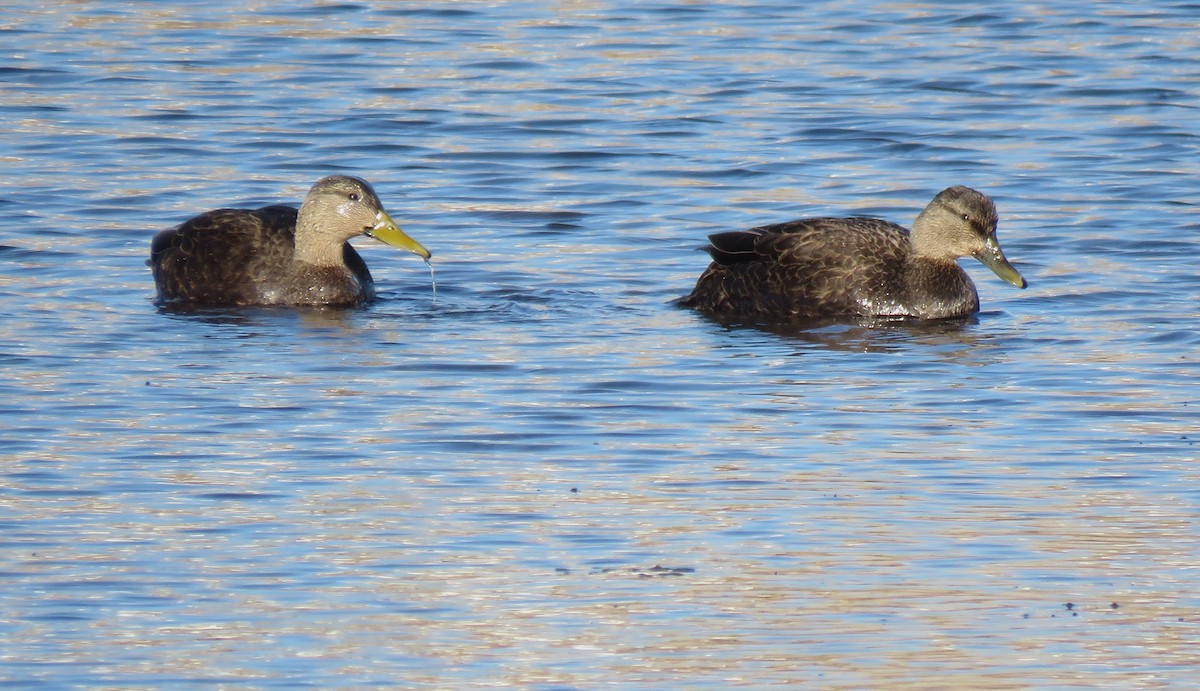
(550, 476)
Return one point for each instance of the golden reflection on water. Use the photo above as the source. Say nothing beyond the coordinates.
(854, 590)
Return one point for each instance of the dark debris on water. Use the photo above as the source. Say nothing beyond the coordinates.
(655, 571)
(1074, 609)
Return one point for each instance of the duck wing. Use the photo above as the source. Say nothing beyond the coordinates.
(224, 256)
(805, 268)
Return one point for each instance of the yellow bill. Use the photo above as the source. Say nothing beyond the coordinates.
(993, 258)
(385, 230)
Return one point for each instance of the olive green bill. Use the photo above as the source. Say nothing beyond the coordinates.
(386, 230)
(993, 258)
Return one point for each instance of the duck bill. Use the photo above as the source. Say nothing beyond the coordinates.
(993, 258)
(385, 230)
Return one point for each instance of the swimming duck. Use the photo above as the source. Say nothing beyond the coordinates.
(866, 267)
(277, 255)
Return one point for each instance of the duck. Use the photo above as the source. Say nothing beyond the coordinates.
(831, 267)
(278, 254)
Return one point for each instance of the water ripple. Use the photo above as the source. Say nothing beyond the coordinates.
(549, 457)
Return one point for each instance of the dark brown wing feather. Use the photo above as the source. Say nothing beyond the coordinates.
(733, 248)
(807, 268)
(220, 257)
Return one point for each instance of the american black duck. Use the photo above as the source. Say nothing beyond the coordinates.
(277, 255)
(829, 267)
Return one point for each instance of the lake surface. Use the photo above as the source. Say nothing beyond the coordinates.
(548, 477)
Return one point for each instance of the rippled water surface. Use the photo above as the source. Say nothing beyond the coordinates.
(550, 477)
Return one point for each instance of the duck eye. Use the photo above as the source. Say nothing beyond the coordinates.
(354, 197)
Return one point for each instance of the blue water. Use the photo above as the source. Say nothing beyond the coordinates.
(547, 476)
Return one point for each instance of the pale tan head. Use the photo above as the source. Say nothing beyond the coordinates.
(961, 222)
(338, 208)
